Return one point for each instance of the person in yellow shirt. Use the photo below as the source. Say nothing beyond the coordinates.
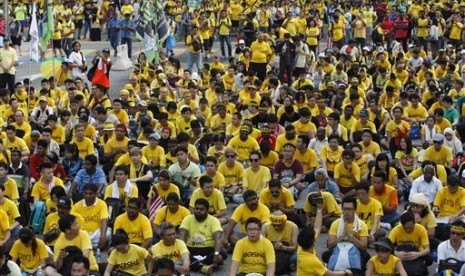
(56, 42)
(243, 143)
(68, 33)
(122, 188)
(126, 257)
(214, 196)
(337, 29)
(95, 213)
(370, 211)
(331, 154)
(135, 224)
(172, 248)
(456, 27)
(384, 262)
(224, 25)
(253, 253)
(449, 201)
(173, 212)
(84, 144)
(260, 56)
(41, 189)
(409, 232)
(195, 43)
(250, 208)
(330, 209)
(347, 173)
(30, 251)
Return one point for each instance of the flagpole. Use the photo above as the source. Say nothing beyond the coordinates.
(157, 47)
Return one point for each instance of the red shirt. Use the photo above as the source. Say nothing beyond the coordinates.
(401, 28)
(34, 164)
(387, 26)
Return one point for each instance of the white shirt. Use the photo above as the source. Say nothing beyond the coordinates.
(79, 59)
(430, 189)
(445, 251)
(317, 145)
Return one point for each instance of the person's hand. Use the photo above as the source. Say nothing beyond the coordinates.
(102, 241)
(344, 231)
(63, 254)
(401, 255)
(348, 272)
(225, 243)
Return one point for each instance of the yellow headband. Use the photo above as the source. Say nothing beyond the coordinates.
(278, 220)
(457, 229)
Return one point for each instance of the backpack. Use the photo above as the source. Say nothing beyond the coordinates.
(415, 131)
(450, 265)
(37, 220)
(345, 256)
(414, 267)
(115, 208)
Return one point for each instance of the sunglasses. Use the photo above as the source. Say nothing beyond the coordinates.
(437, 142)
(254, 159)
(229, 156)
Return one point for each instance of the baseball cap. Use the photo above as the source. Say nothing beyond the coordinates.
(109, 126)
(124, 92)
(128, 86)
(64, 202)
(364, 113)
(43, 98)
(154, 136)
(438, 137)
(143, 103)
(241, 41)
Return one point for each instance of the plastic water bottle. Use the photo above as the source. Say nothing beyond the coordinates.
(98, 255)
(39, 272)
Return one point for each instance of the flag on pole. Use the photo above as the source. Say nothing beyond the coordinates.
(162, 25)
(47, 26)
(34, 32)
(144, 30)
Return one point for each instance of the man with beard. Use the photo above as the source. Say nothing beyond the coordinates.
(95, 214)
(64, 208)
(202, 234)
(214, 197)
(288, 137)
(136, 225)
(243, 143)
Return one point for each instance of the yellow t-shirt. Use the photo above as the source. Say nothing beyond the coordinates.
(85, 147)
(373, 148)
(164, 214)
(58, 134)
(330, 205)
(11, 189)
(260, 52)
(51, 222)
(138, 230)
(285, 198)
(367, 212)
(448, 203)
(254, 180)
(332, 157)
(122, 194)
(10, 208)
(418, 236)
(388, 268)
(243, 148)
(309, 264)
(173, 252)
(154, 156)
(4, 224)
(24, 254)
(216, 200)
(242, 213)
(254, 256)
(42, 191)
(231, 175)
(164, 193)
(132, 262)
(81, 241)
(337, 29)
(93, 215)
(392, 174)
(312, 35)
(344, 176)
(191, 48)
(113, 144)
(201, 234)
(441, 157)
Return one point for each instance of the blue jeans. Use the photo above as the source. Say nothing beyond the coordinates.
(391, 218)
(127, 41)
(114, 40)
(86, 28)
(227, 39)
(196, 59)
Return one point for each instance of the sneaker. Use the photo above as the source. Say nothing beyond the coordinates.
(385, 225)
(207, 269)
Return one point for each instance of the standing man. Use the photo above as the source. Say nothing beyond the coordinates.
(224, 25)
(286, 50)
(260, 56)
(113, 32)
(127, 27)
(68, 33)
(8, 63)
(195, 43)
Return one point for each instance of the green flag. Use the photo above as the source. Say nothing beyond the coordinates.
(47, 26)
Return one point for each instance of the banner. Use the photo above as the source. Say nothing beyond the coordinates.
(144, 30)
(34, 32)
(47, 26)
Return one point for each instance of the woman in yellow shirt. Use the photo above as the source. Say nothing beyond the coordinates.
(455, 30)
(313, 33)
(29, 251)
(384, 262)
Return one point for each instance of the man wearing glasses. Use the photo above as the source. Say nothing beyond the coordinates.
(438, 153)
(453, 248)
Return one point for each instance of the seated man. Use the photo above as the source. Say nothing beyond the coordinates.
(164, 267)
(72, 236)
(387, 196)
(41, 189)
(251, 208)
(283, 235)
(427, 184)
(89, 174)
(122, 188)
(173, 213)
(10, 208)
(324, 183)
(278, 198)
(80, 266)
(202, 233)
(370, 211)
(331, 210)
(347, 174)
(9, 184)
(406, 233)
(135, 224)
(171, 247)
(454, 247)
(349, 228)
(214, 197)
(253, 253)
(449, 204)
(95, 214)
(289, 170)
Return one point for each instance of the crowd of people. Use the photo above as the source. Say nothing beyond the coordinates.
(356, 108)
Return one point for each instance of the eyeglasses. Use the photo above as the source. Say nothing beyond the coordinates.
(437, 142)
(254, 159)
(381, 249)
(418, 206)
(229, 156)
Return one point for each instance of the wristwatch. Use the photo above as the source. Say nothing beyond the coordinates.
(217, 253)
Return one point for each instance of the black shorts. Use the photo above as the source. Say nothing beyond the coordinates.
(56, 44)
(16, 40)
(235, 23)
(206, 44)
(79, 23)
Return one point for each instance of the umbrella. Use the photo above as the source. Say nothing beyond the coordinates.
(52, 67)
